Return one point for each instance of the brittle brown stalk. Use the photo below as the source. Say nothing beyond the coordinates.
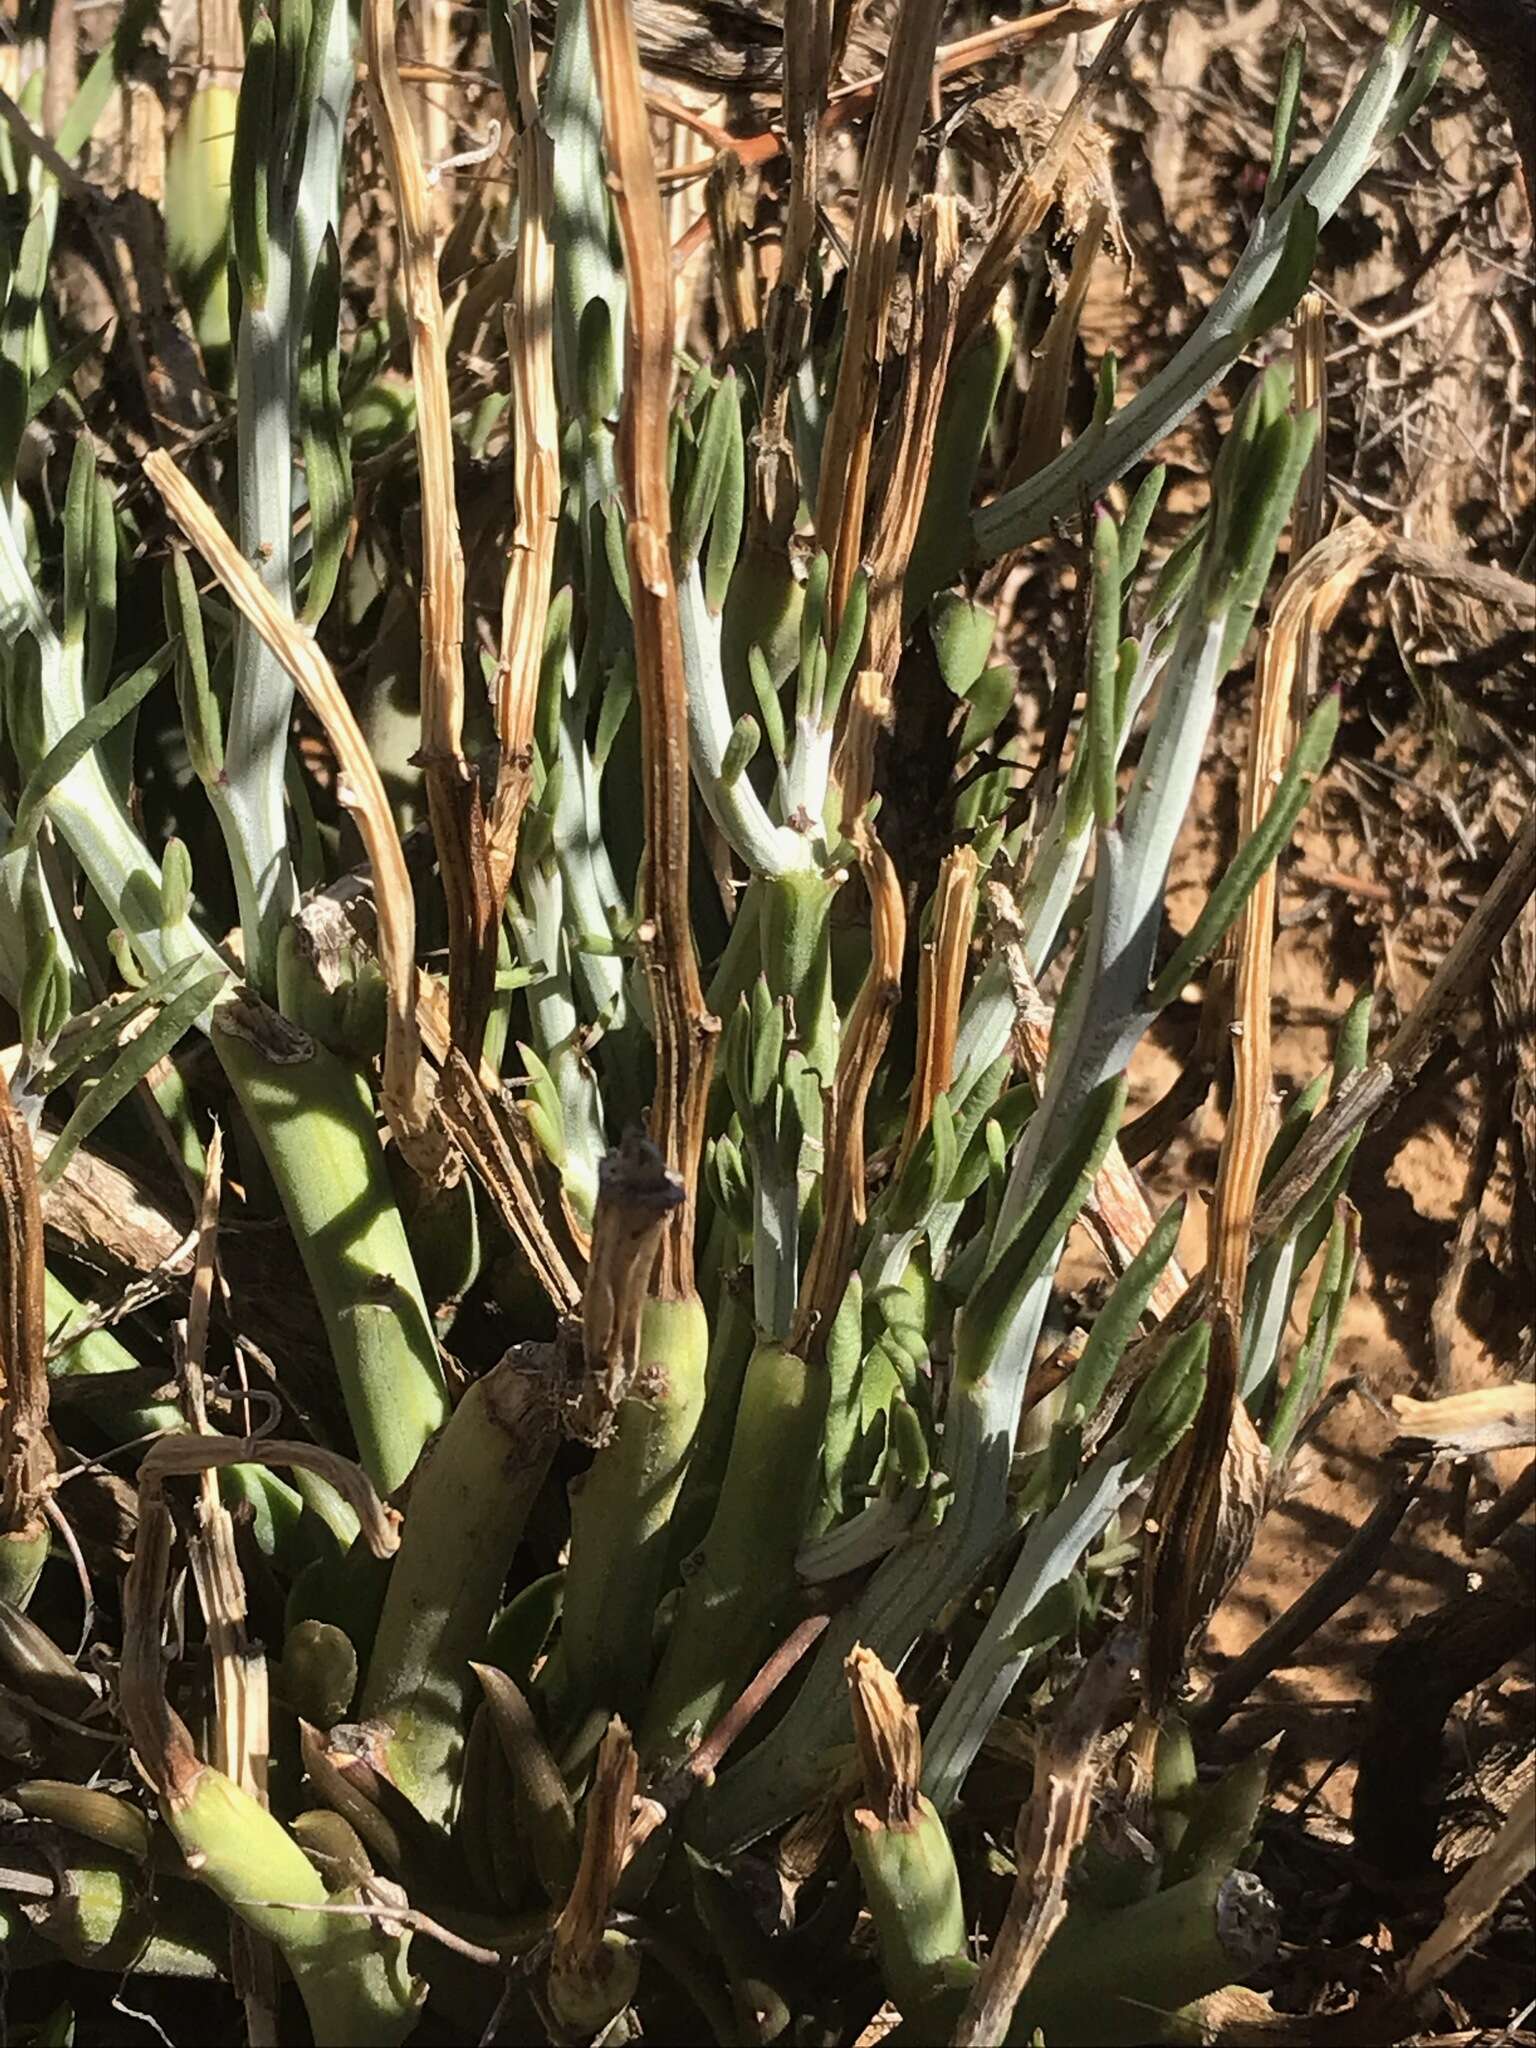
(171, 1457)
(453, 795)
(685, 1030)
(161, 1740)
(726, 201)
(536, 459)
(1209, 1496)
(1324, 579)
(1030, 193)
(27, 1461)
(636, 1195)
(807, 67)
(940, 986)
(1051, 1826)
(847, 447)
(905, 456)
(864, 1039)
(240, 1740)
(1045, 403)
(492, 1135)
(577, 1956)
(847, 102)
(407, 1088)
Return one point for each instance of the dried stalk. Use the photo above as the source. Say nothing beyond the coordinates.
(173, 1457)
(1465, 1425)
(864, 1038)
(493, 1138)
(1050, 1828)
(886, 174)
(453, 797)
(1309, 520)
(885, 1734)
(589, 1973)
(159, 1736)
(940, 986)
(407, 1085)
(1476, 1896)
(536, 479)
(807, 68)
(26, 1456)
(636, 1195)
(239, 1748)
(1209, 1496)
(1045, 403)
(1348, 1572)
(1324, 580)
(1371, 1093)
(685, 1030)
(910, 439)
(725, 197)
(241, 1740)
(1030, 194)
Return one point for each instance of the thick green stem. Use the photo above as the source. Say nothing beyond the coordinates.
(621, 1513)
(23, 1553)
(1122, 1977)
(352, 1972)
(108, 1918)
(464, 1521)
(313, 1118)
(730, 1352)
(743, 1583)
(913, 1889)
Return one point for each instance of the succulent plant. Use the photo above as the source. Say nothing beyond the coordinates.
(681, 1206)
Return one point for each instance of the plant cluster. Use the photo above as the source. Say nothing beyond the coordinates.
(680, 1156)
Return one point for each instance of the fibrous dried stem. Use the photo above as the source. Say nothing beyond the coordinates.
(807, 62)
(1348, 1573)
(1209, 1496)
(1315, 589)
(726, 202)
(494, 1139)
(863, 1043)
(848, 443)
(240, 1741)
(609, 1809)
(1029, 196)
(905, 455)
(239, 1747)
(636, 1195)
(184, 1456)
(407, 1089)
(940, 986)
(536, 454)
(453, 796)
(885, 1734)
(1050, 1828)
(1476, 1896)
(26, 1456)
(1371, 1092)
(1045, 403)
(159, 1736)
(684, 1029)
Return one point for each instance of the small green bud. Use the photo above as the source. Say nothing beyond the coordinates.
(175, 884)
(962, 639)
(740, 749)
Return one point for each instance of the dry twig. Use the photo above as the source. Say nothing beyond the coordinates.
(685, 1031)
